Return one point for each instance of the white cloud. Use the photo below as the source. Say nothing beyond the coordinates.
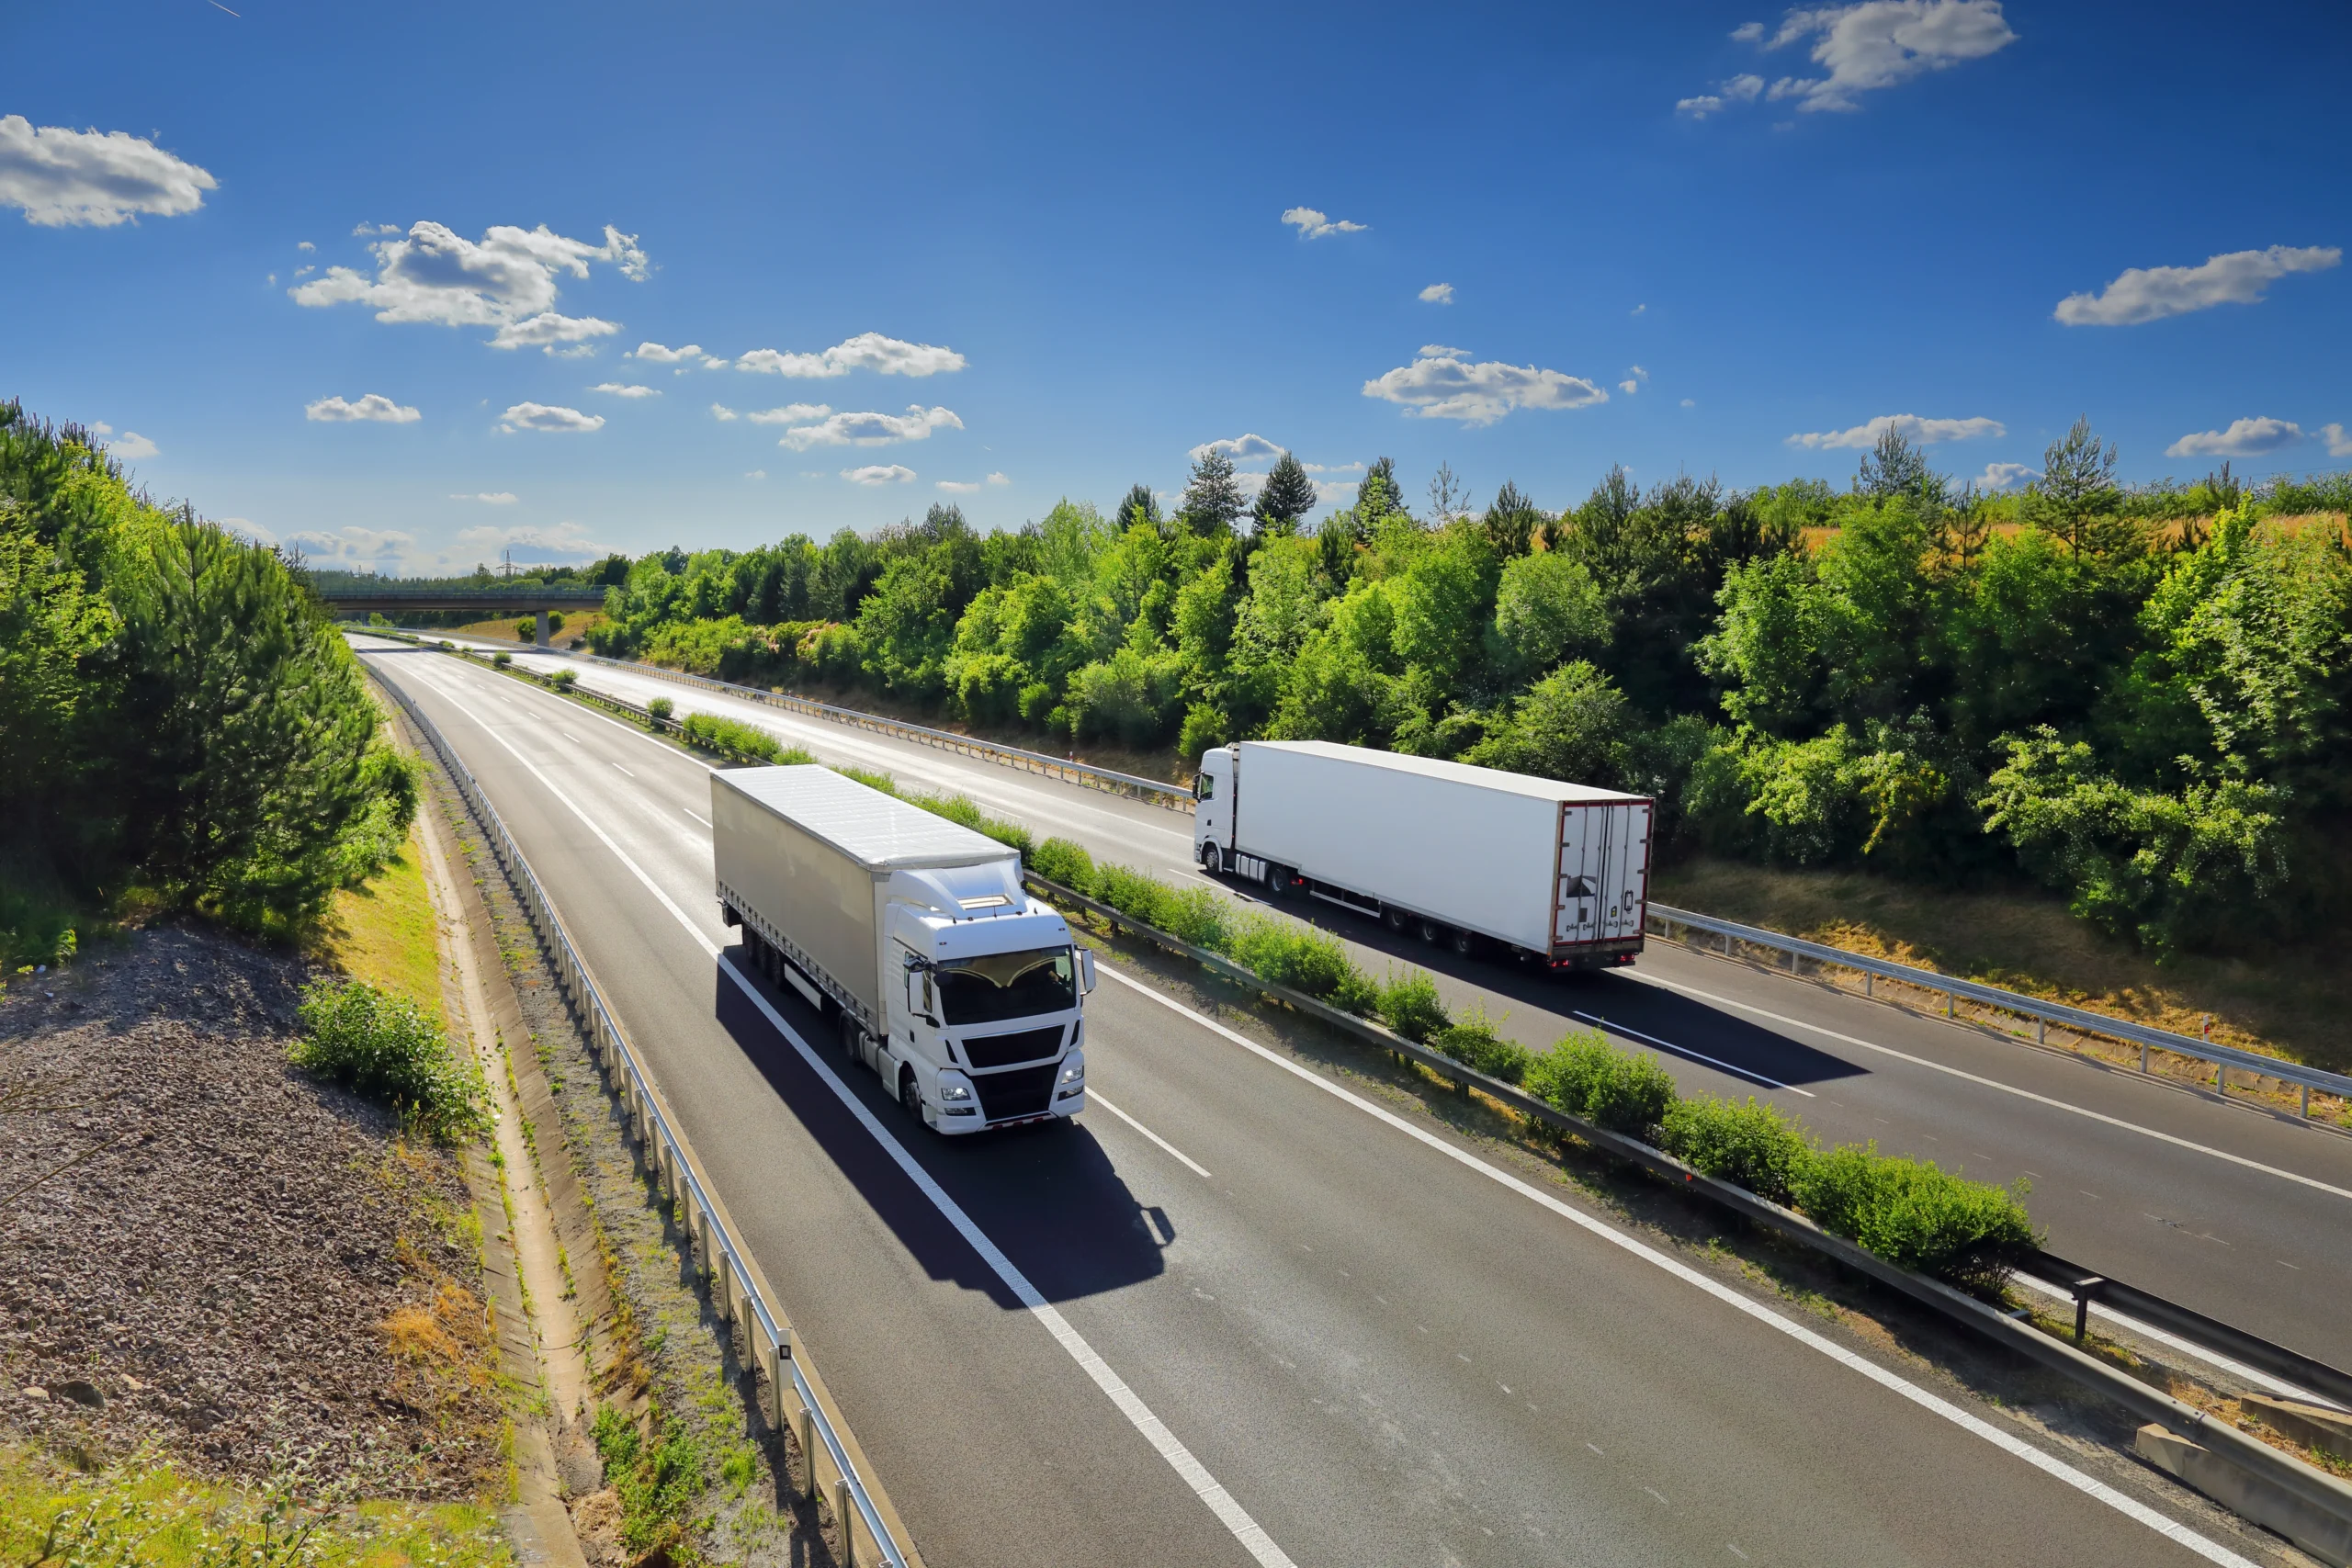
(2001, 476)
(721, 412)
(357, 546)
(548, 331)
(2339, 443)
(1336, 490)
(660, 355)
(871, 429)
(544, 416)
(1332, 467)
(2244, 438)
(132, 447)
(2150, 293)
(879, 474)
(245, 528)
(1741, 89)
(1313, 225)
(91, 177)
(1006, 480)
(1443, 384)
(1636, 378)
(568, 538)
(299, 272)
(489, 497)
(506, 280)
(961, 487)
(1689, 402)
(626, 389)
(366, 231)
(372, 406)
(1240, 448)
(1866, 47)
(866, 351)
(755, 474)
(1637, 310)
(304, 245)
(1921, 432)
(1439, 294)
(790, 413)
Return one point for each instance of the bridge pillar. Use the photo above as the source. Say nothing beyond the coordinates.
(543, 628)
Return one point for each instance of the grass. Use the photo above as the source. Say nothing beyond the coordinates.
(2290, 1002)
(145, 1513)
(387, 934)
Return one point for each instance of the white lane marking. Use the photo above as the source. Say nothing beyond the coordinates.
(2091, 1486)
(1230, 1512)
(624, 770)
(1996, 1083)
(573, 738)
(1174, 1153)
(697, 816)
(1694, 1055)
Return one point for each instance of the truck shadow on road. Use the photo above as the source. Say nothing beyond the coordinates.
(1677, 1025)
(1048, 1196)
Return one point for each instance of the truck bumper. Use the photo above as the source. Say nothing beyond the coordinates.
(1609, 955)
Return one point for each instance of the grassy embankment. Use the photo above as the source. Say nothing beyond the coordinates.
(387, 934)
(576, 624)
(2292, 1002)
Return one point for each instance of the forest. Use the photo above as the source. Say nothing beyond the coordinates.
(2138, 695)
(181, 727)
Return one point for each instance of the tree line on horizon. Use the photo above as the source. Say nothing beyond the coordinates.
(2139, 696)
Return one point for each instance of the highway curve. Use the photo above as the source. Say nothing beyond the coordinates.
(1371, 1345)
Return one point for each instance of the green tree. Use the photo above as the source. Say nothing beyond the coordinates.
(1287, 496)
(1213, 496)
(1546, 605)
(907, 627)
(2075, 499)
(1571, 724)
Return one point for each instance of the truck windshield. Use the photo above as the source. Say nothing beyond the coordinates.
(1006, 985)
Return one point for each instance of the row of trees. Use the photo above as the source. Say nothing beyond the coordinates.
(180, 723)
(2139, 695)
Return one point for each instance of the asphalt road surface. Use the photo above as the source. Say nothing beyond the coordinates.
(1337, 1336)
(2226, 1208)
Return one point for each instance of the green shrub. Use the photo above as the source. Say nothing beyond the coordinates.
(1585, 1076)
(564, 680)
(732, 737)
(657, 1481)
(383, 1046)
(960, 809)
(1749, 1145)
(1472, 1041)
(659, 710)
(1919, 1216)
(1411, 1006)
(1058, 860)
(502, 659)
(1298, 956)
(1357, 992)
(882, 782)
(527, 630)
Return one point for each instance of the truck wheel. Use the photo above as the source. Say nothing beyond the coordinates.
(1211, 860)
(1464, 943)
(910, 1095)
(850, 1032)
(1277, 880)
(1397, 920)
(1432, 932)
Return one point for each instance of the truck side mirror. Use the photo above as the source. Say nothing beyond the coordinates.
(1086, 970)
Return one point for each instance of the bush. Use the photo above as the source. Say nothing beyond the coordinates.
(383, 1046)
(659, 710)
(1058, 860)
(734, 738)
(1411, 1006)
(1472, 1041)
(527, 630)
(1749, 1145)
(1585, 1076)
(564, 680)
(1919, 1216)
(1297, 957)
(501, 659)
(959, 809)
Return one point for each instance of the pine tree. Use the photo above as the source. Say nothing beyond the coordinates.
(1212, 498)
(1140, 506)
(1287, 496)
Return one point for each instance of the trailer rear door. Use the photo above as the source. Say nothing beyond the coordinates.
(1603, 889)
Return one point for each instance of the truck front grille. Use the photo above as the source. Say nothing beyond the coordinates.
(1023, 1092)
(1021, 1046)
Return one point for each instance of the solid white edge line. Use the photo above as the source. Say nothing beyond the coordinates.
(2089, 1485)
(1685, 1051)
(1230, 1512)
(1179, 1156)
(1828, 1034)
(697, 816)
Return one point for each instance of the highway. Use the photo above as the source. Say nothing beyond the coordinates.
(2223, 1208)
(1341, 1337)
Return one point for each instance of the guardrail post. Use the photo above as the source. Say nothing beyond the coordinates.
(1870, 984)
(2144, 1058)
(848, 1517)
(2040, 1031)
(774, 1359)
(807, 1436)
(1952, 1004)
(2306, 1110)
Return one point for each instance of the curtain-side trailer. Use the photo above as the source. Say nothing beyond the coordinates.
(914, 936)
(1553, 873)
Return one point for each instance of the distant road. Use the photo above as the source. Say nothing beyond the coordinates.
(2220, 1207)
(1376, 1346)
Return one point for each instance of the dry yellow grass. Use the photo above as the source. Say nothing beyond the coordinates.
(576, 624)
(2292, 1002)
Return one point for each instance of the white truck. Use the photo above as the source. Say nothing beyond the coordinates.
(1554, 873)
(914, 936)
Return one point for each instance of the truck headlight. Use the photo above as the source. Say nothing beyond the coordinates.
(952, 1092)
(1073, 1069)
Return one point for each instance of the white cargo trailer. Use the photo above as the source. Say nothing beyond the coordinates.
(1556, 874)
(914, 936)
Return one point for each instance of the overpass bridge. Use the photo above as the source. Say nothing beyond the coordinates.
(481, 603)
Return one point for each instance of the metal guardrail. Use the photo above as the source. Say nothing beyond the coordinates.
(736, 1285)
(2043, 1014)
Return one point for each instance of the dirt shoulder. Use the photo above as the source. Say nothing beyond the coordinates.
(254, 1265)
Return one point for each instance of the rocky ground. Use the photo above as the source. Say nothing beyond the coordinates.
(252, 1265)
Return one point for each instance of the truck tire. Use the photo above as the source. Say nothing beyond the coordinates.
(1464, 943)
(1396, 919)
(910, 1093)
(1211, 860)
(1432, 932)
(850, 1034)
(1277, 880)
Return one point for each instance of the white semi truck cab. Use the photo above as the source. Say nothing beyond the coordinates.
(914, 937)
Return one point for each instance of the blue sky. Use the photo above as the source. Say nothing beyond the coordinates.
(1032, 251)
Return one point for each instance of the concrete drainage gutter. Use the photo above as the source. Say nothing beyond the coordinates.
(2244, 1473)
